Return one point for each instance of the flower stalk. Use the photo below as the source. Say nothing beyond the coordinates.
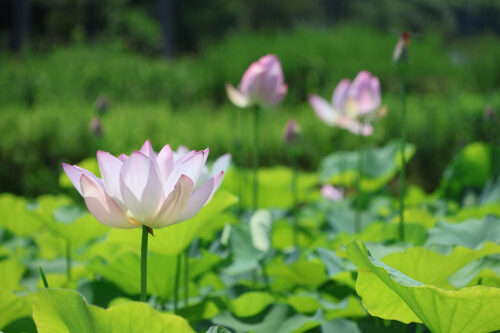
(144, 263)
(255, 187)
(186, 277)
(359, 192)
(402, 175)
(177, 282)
(68, 260)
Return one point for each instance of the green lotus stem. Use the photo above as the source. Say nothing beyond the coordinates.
(359, 194)
(144, 263)
(295, 194)
(403, 159)
(241, 154)
(186, 277)
(264, 275)
(177, 282)
(68, 260)
(255, 157)
(42, 274)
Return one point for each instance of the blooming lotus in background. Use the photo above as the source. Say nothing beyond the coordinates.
(330, 192)
(262, 84)
(354, 104)
(145, 188)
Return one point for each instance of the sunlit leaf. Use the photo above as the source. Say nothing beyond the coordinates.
(58, 310)
(250, 303)
(390, 294)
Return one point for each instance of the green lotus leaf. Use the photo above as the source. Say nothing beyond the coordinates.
(250, 303)
(477, 212)
(59, 310)
(274, 186)
(124, 271)
(390, 294)
(471, 167)
(380, 166)
(11, 271)
(217, 329)
(471, 233)
(307, 273)
(13, 307)
(311, 303)
(65, 220)
(17, 217)
(275, 320)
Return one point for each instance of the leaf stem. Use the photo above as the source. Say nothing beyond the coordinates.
(177, 282)
(256, 120)
(402, 174)
(359, 194)
(144, 263)
(295, 194)
(186, 277)
(68, 260)
(264, 275)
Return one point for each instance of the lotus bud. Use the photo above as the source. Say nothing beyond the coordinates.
(400, 54)
(95, 127)
(292, 132)
(332, 193)
(101, 104)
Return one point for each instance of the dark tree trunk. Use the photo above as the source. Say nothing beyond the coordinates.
(166, 17)
(21, 10)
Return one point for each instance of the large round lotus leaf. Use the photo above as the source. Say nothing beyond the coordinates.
(379, 166)
(390, 294)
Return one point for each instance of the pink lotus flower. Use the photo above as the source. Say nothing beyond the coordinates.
(145, 188)
(332, 193)
(352, 104)
(262, 84)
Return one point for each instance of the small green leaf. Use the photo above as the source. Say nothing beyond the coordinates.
(260, 229)
(44, 279)
(250, 303)
(58, 310)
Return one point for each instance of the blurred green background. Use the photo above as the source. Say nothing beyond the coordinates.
(161, 67)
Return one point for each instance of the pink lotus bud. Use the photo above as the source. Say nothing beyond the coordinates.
(332, 193)
(400, 54)
(489, 113)
(292, 132)
(95, 126)
(101, 104)
(145, 188)
(262, 84)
